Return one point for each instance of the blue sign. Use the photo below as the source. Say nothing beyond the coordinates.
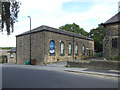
(52, 47)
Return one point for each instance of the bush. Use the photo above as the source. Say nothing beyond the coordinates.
(0, 61)
(117, 58)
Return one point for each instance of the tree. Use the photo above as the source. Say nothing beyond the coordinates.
(74, 28)
(9, 16)
(97, 35)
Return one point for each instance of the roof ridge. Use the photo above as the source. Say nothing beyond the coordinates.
(56, 30)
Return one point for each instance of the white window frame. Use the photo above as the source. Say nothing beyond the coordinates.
(11, 55)
(76, 49)
(70, 49)
(62, 48)
(83, 50)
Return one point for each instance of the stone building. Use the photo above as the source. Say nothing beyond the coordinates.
(0, 15)
(11, 56)
(50, 45)
(111, 47)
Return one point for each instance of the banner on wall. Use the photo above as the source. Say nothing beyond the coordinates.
(52, 47)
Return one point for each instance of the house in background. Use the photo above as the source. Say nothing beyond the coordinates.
(50, 45)
(11, 56)
(111, 47)
(3, 55)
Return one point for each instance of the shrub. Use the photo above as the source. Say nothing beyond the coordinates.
(0, 61)
(117, 58)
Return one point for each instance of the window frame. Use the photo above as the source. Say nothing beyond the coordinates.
(11, 55)
(87, 52)
(69, 49)
(83, 50)
(62, 54)
(76, 50)
(114, 42)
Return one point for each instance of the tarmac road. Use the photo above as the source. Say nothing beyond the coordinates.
(34, 78)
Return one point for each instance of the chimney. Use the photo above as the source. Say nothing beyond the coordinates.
(119, 6)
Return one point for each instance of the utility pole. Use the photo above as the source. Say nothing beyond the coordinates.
(30, 39)
(73, 48)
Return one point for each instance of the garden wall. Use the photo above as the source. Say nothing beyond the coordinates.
(114, 65)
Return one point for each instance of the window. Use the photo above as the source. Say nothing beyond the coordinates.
(70, 49)
(87, 52)
(11, 55)
(76, 49)
(52, 47)
(83, 49)
(62, 48)
(92, 53)
(114, 42)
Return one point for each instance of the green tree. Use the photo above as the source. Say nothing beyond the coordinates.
(74, 28)
(9, 16)
(97, 34)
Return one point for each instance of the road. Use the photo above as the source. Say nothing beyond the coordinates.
(34, 78)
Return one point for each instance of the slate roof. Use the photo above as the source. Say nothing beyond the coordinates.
(13, 50)
(55, 30)
(114, 19)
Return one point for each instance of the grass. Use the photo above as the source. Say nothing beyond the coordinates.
(6, 48)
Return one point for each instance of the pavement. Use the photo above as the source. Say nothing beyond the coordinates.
(60, 66)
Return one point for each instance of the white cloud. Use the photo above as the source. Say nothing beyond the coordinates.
(50, 12)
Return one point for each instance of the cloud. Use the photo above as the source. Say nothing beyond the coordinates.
(51, 13)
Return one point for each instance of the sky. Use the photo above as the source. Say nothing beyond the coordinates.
(55, 13)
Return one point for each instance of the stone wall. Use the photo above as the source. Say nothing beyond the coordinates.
(112, 31)
(11, 60)
(58, 38)
(40, 46)
(112, 65)
(37, 48)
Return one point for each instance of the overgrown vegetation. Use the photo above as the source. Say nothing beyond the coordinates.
(117, 58)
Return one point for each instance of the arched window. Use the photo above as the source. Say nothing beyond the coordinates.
(62, 48)
(83, 49)
(52, 47)
(70, 49)
(114, 42)
(92, 53)
(76, 49)
(87, 52)
(11, 55)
